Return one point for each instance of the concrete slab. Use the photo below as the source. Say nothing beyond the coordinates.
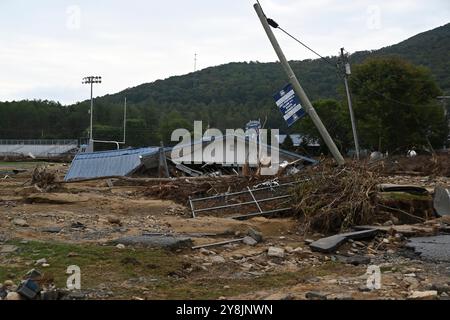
(331, 244)
(441, 201)
(432, 248)
(165, 242)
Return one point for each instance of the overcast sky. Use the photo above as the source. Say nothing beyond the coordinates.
(48, 46)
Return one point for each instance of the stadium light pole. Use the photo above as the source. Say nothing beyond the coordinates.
(91, 80)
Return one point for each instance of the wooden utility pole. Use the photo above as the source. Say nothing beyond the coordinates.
(299, 90)
(347, 72)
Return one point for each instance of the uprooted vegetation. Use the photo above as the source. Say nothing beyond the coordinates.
(179, 190)
(44, 180)
(332, 199)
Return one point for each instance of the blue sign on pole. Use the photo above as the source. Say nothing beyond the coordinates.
(289, 105)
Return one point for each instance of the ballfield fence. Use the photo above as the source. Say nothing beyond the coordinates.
(42, 149)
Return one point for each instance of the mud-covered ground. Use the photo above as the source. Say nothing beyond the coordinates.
(76, 223)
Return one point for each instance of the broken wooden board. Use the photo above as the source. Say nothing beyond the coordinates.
(403, 188)
(56, 198)
(331, 244)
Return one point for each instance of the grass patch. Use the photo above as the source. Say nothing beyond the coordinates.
(99, 264)
(108, 266)
(21, 165)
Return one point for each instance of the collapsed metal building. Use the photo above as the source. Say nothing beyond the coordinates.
(118, 163)
(217, 158)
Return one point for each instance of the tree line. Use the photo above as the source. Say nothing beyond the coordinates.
(394, 101)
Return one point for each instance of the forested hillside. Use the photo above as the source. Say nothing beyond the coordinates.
(225, 96)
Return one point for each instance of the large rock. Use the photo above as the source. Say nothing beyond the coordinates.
(5, 249)
(165, 242)
(20, 223)
(423, 295)
(218, 259)
(275, 252)
(256, 235)
(250, 241)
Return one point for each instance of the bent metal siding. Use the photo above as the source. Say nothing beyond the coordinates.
(107, 164)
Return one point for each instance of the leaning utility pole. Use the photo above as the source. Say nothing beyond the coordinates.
(347, 72)
(299, 90)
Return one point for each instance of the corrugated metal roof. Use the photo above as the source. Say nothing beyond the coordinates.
(108, 163)
(224, 137)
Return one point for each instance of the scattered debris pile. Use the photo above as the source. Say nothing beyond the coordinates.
(181, 189)
(334, 199)
(34, 286)
(44, 180)
(438, 165)
(266, 199)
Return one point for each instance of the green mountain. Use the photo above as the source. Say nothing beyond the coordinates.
(430, 49)
(231, 94)
(225, 96)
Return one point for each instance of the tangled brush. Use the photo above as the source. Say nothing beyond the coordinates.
(44, 180)
(333, 199)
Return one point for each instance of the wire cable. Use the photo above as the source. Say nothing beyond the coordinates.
(275, 25)
(308, 47)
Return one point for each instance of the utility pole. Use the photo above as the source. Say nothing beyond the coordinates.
(91, 80)
(125, 122)
(195, 62)
(347, 72)
(444, 100)
(444, 103)
(298, 88)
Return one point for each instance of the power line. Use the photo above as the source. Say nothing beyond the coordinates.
(275, 25)
(307, 47)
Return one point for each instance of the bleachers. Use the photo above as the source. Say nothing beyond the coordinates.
(37, 148)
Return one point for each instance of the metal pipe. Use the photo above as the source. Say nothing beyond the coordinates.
(256, 201)
(241, 204)
(218, 244)
(257, 214)
(243, 192)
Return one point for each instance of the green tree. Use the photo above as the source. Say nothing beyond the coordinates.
(288, 144)
(336, 119)
(396, 107)
(170, 123)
